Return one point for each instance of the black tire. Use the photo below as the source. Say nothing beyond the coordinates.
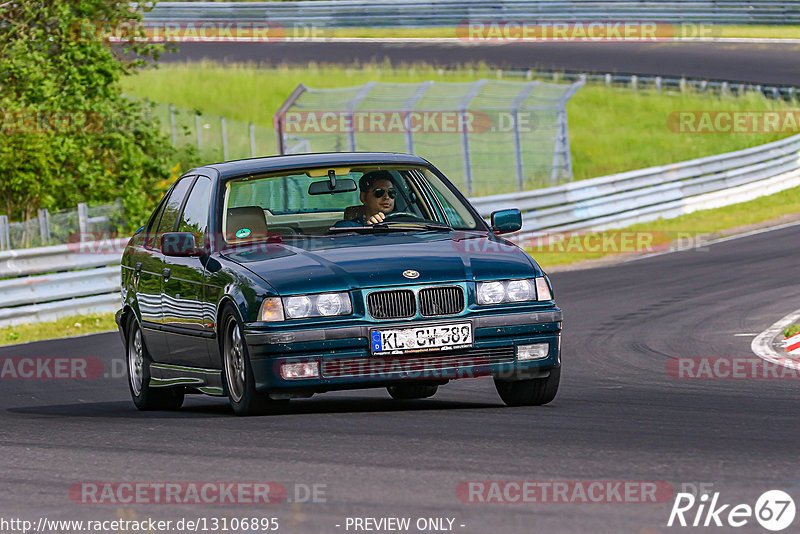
(138, 360)
(237, 373)
(533, 392)
(412, 391)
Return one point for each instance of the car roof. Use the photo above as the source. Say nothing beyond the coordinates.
(295, 161)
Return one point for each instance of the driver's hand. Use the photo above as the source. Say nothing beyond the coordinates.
(375, 219)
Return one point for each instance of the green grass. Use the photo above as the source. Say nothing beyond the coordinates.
(64, 327)
(611, 129)
(689, 229)
(791, 330)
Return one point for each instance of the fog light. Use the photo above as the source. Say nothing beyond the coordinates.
(294, 370)
(537, 351)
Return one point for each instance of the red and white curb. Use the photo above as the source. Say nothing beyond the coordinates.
(792, 345)
(763, 347)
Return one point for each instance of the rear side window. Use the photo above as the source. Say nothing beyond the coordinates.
(195, 213)
(172, 208)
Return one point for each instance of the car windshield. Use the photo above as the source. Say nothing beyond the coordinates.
(327, 201)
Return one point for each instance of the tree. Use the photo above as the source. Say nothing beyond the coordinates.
(68, 134)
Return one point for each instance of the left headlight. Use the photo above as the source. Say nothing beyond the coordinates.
(319, 305)
(522, 290)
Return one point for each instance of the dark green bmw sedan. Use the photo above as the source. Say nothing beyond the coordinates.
(271, 279)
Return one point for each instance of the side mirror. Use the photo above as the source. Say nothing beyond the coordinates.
(181, 244)
(506, 221)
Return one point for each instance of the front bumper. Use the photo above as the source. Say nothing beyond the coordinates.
(345, 361)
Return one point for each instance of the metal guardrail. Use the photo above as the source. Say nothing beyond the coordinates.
(89, 281)
(427, 13)
(83, 278)
(644, 195)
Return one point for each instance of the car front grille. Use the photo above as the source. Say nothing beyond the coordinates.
(396, 304)
(466, 362)
(401, 304)
(437, 301)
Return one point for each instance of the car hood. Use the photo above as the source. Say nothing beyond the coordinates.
(344, 262)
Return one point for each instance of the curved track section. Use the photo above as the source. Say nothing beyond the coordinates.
(619, 416)
(768, 64)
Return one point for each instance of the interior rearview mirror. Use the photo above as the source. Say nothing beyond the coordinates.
(343, 185)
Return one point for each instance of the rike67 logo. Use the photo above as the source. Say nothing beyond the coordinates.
(774, 510)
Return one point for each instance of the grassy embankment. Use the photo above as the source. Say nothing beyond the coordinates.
(611, 129)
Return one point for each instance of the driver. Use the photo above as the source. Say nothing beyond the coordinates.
(377, 196)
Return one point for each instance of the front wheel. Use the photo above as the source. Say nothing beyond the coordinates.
(144, 396)
(239, 381)
(533, 392)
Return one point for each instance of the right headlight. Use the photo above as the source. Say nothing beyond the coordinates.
(302, 306)
(319, 305)
(520, 290)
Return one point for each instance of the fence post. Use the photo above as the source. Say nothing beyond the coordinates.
(419, 92)
(464, 124)
(197, 128)
(44, 226)
(350, 108)
(658, 83)
(683, 84)
(5, 242)
(518, 101)
(634, 82)
(224, 140)
(723, 90)
(252, 140)
(172, 123)
(83, 221)
(608, 79)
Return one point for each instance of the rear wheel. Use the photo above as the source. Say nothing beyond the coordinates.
(239, 381)
(144, 396)
(412, 391)
(533, 392)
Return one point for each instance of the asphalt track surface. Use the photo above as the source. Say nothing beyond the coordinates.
(763, 63)
(619, 416)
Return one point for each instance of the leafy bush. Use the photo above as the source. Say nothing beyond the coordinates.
(67, 134)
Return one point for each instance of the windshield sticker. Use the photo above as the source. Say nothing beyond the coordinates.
(244, 232)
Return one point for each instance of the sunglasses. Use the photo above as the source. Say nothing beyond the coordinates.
(380, 192)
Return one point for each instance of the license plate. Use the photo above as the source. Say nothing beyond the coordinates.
(428, 338)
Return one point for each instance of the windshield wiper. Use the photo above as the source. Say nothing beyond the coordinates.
(394, 226)
(414, 225)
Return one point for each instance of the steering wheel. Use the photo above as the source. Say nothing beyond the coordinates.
(398, 214)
